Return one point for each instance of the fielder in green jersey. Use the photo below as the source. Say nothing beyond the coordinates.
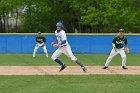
(40, 42)
(120, 46)
(40, 39)
(119, 42)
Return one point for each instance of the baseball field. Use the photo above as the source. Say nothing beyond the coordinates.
(20, 73)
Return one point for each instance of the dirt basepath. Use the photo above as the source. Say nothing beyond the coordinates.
(70, 70)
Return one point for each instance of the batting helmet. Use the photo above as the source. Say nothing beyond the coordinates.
(59, 24)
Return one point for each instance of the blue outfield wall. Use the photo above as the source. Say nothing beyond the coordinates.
(79, 43)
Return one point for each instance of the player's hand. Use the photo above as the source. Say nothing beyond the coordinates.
(55, 45)
(52, 43)
(59, 43)
(127, 50)
(43, 45)
(37, 44)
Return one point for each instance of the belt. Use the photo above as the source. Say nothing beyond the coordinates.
(40, 43)
(63, 45)
(119, 48)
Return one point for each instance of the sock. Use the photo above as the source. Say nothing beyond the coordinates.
(59, 62)
(79, 63)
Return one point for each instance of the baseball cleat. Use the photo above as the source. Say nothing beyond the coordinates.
(62, 68)
(124, 67)
(84, 69)
(105, 67)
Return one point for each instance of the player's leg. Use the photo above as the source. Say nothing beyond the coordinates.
(112, 54)
(70, 55)
(35, 50)
(123, 56)
(55, 56)
(45, 51)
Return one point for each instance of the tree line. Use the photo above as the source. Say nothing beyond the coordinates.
(77, 16)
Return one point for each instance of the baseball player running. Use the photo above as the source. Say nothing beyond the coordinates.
(40, 42)
(118, 48)
(64, 48)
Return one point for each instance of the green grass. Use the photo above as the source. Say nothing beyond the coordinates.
(87, 59)
(70, 84)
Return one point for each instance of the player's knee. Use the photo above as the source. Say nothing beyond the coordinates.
(110, 58)
(45, 51)
(53, 57)
(123, 57)
(74, 59)
(35, 50)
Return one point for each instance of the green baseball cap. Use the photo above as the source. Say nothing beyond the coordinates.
(39, 32)
(121, 30)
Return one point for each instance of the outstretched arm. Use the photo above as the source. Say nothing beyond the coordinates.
(53, 43)
(126, 45)
(126, 48)
(114, 47)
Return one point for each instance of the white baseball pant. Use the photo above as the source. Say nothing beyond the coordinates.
(114, 53)
(40, 45)
(66, 50)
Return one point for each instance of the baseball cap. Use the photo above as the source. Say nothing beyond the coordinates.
(121, 30)
(39, 32)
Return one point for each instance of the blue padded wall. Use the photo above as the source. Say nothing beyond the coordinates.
(79, 43)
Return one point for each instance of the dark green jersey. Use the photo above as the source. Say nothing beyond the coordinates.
(40, 39)
(119, 42)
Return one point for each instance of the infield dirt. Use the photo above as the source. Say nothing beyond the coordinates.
(70, 70)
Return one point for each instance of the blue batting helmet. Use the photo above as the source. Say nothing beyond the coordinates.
(59, 24)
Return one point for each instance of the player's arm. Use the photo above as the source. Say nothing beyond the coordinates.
(114, 47)
(126, 43)
(126, 46)
(44, 40)
(113, 44)
(53, 43)
(63, 39)
(36, 41)
(59, 43)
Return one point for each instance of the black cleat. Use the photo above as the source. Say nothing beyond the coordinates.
(124, 67)
(84, 69)
(105, 67)
(62, 68)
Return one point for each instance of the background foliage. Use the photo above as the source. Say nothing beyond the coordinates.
(83, 16)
